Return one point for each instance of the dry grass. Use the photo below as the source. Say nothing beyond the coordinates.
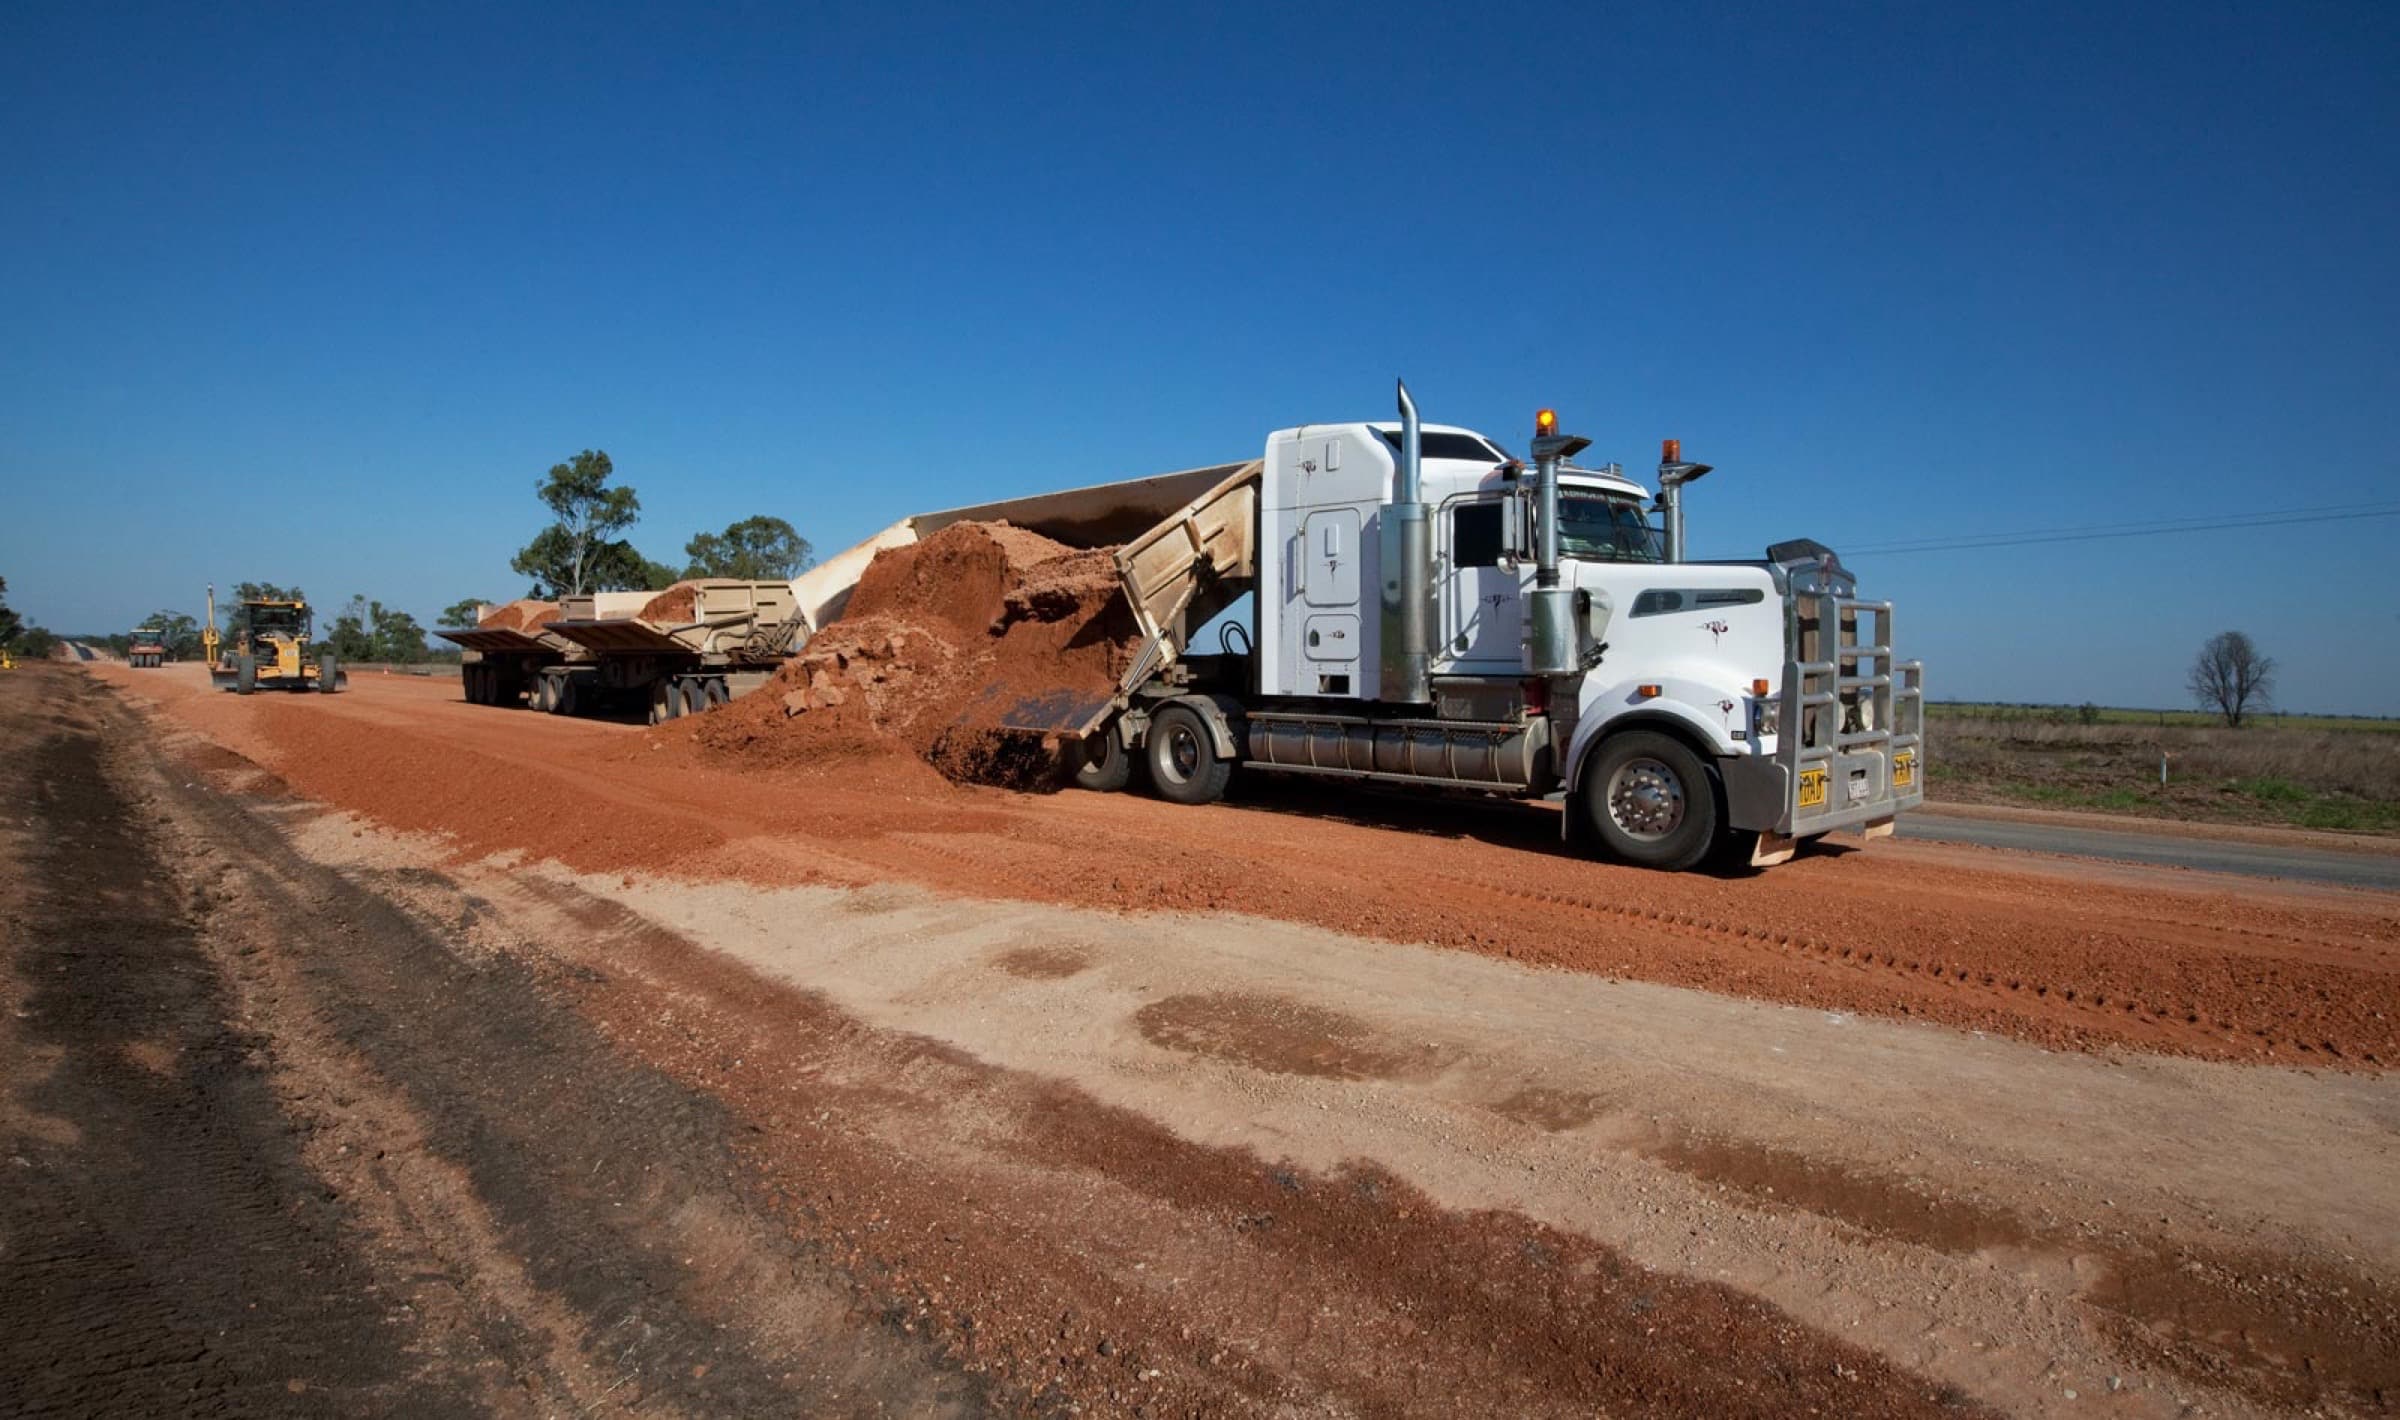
(2338, 778)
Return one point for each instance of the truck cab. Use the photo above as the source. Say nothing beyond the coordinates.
(1430, 609)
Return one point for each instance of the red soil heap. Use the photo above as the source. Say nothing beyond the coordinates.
(524, 614)
(672, 607)
(941, 639)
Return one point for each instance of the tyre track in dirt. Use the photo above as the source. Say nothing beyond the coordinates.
(514, 1204)
(164, 1249)
(2027, 1000)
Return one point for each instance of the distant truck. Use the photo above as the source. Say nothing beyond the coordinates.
(603, 654)
(147, 649)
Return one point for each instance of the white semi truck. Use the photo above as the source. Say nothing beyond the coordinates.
(1428, 610)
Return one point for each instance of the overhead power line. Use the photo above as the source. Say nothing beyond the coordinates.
(2331, 513)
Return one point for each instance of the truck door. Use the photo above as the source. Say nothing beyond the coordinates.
(1329, 558)
(1322, 656)
(1482, 628)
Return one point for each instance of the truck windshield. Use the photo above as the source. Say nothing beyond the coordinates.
(1598, 529)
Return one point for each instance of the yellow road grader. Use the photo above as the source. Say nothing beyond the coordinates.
(270, 652)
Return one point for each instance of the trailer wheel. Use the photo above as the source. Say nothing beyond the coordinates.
(570, 696)
(665, 704)
(695, 696)
(719, 693)
(1184, 763)
(1652, 800)
(1101, 762)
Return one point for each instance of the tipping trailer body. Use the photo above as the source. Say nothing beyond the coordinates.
(504, 665)
(1098, 515)
(736, 634)
(1427, 611)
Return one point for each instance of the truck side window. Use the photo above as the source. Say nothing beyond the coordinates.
(1475, 535)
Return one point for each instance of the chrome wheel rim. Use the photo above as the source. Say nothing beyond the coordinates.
(1645, 799)
(1183, 752)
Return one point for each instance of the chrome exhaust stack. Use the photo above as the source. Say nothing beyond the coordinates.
(1406, 673)
(1551, 645)
(1673, 473)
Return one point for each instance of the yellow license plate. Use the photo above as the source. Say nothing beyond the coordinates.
(1812, 788)
(1904, 769)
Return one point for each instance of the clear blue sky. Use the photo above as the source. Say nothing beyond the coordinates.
(1898, 271)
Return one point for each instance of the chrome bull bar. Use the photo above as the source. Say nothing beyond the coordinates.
(1851, 733)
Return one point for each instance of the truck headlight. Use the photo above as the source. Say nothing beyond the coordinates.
(1769, 717)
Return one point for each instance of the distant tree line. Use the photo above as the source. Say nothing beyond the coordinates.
(19, 637)
(584, 549)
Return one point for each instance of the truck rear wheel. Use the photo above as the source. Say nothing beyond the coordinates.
(1101, 762)
(245, 675)
(1184, 763)
(1652, 800)
(329, 675)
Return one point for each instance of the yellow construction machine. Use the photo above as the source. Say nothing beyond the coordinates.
(270, 652)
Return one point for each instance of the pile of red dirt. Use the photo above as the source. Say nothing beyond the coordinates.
(524, 614)
(674, 606)
(941, 642)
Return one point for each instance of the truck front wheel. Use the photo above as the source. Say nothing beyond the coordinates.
(1184, 763)
(1652, 800)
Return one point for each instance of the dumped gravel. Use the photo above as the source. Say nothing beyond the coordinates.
(941, 641)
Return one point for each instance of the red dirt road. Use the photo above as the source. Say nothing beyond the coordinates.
(2037, 950)
(1059, 1150)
